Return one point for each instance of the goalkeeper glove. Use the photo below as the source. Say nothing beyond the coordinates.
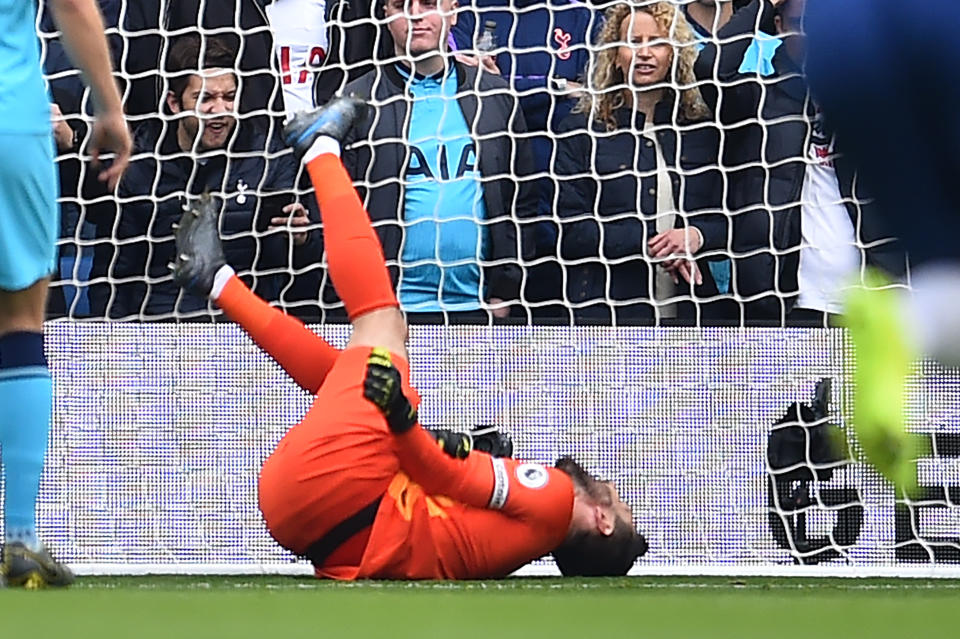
(382, 386)
(488, 439)
(454, 444)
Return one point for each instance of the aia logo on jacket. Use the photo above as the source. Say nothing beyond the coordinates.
(562, 39)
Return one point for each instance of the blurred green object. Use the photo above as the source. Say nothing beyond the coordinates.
(882, 361)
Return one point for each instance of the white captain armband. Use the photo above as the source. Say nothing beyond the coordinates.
(501, 484)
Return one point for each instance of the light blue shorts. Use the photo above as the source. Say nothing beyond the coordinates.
(29, 216)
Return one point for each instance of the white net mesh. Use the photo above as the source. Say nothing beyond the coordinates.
(486, 191)
(160, 430)
(490, 198)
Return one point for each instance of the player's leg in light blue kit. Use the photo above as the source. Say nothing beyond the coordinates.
(28, 232)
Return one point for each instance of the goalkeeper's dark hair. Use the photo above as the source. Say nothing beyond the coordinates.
(588, 553)
(191, 53)
(591, 554)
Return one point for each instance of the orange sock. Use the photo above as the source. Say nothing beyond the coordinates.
(354, 254)
(305, 356)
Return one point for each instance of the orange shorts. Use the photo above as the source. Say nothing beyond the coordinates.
(336, 461)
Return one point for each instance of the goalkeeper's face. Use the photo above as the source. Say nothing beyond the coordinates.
(208, 107)
(420, 26)
(603, 493)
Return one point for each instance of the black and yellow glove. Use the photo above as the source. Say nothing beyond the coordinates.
(383, 387)
(454, 444)
(490, 440)
(485, 439)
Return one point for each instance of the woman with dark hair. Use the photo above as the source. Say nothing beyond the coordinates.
(639, 181)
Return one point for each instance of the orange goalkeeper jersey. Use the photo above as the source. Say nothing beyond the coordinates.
(438, 517)
(461, 519)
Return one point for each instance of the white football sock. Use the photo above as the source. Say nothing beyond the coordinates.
(220, 281)
(323, 144)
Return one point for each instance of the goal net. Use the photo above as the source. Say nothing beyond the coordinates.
(526, 237)
(160, 430)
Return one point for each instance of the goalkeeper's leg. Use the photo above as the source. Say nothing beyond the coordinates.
(303, 354)
(201, 267)
(354, 256)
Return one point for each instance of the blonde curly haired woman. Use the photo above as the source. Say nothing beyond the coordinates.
(636, 193)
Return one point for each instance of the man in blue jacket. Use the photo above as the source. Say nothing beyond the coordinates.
(540, 49)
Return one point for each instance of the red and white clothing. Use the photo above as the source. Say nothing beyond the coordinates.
(300, 42)
(829, 256)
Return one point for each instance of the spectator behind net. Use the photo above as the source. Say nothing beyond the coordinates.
(635, 208)
(445, 160)
(204, 147)
(801, 223)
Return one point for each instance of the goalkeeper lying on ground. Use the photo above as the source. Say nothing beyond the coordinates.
(358, 487)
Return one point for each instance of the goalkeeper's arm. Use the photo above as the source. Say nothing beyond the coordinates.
(470, 480)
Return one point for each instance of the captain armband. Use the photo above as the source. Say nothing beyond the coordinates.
(501, 484)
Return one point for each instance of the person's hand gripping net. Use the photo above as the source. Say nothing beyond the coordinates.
(382, 386)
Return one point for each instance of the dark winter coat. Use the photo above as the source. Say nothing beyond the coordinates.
(608, 201)
(769, 124)
(252, 187)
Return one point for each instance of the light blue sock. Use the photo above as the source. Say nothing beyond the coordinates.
(26, 397)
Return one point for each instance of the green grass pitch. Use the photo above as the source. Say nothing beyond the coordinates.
(289, 607)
